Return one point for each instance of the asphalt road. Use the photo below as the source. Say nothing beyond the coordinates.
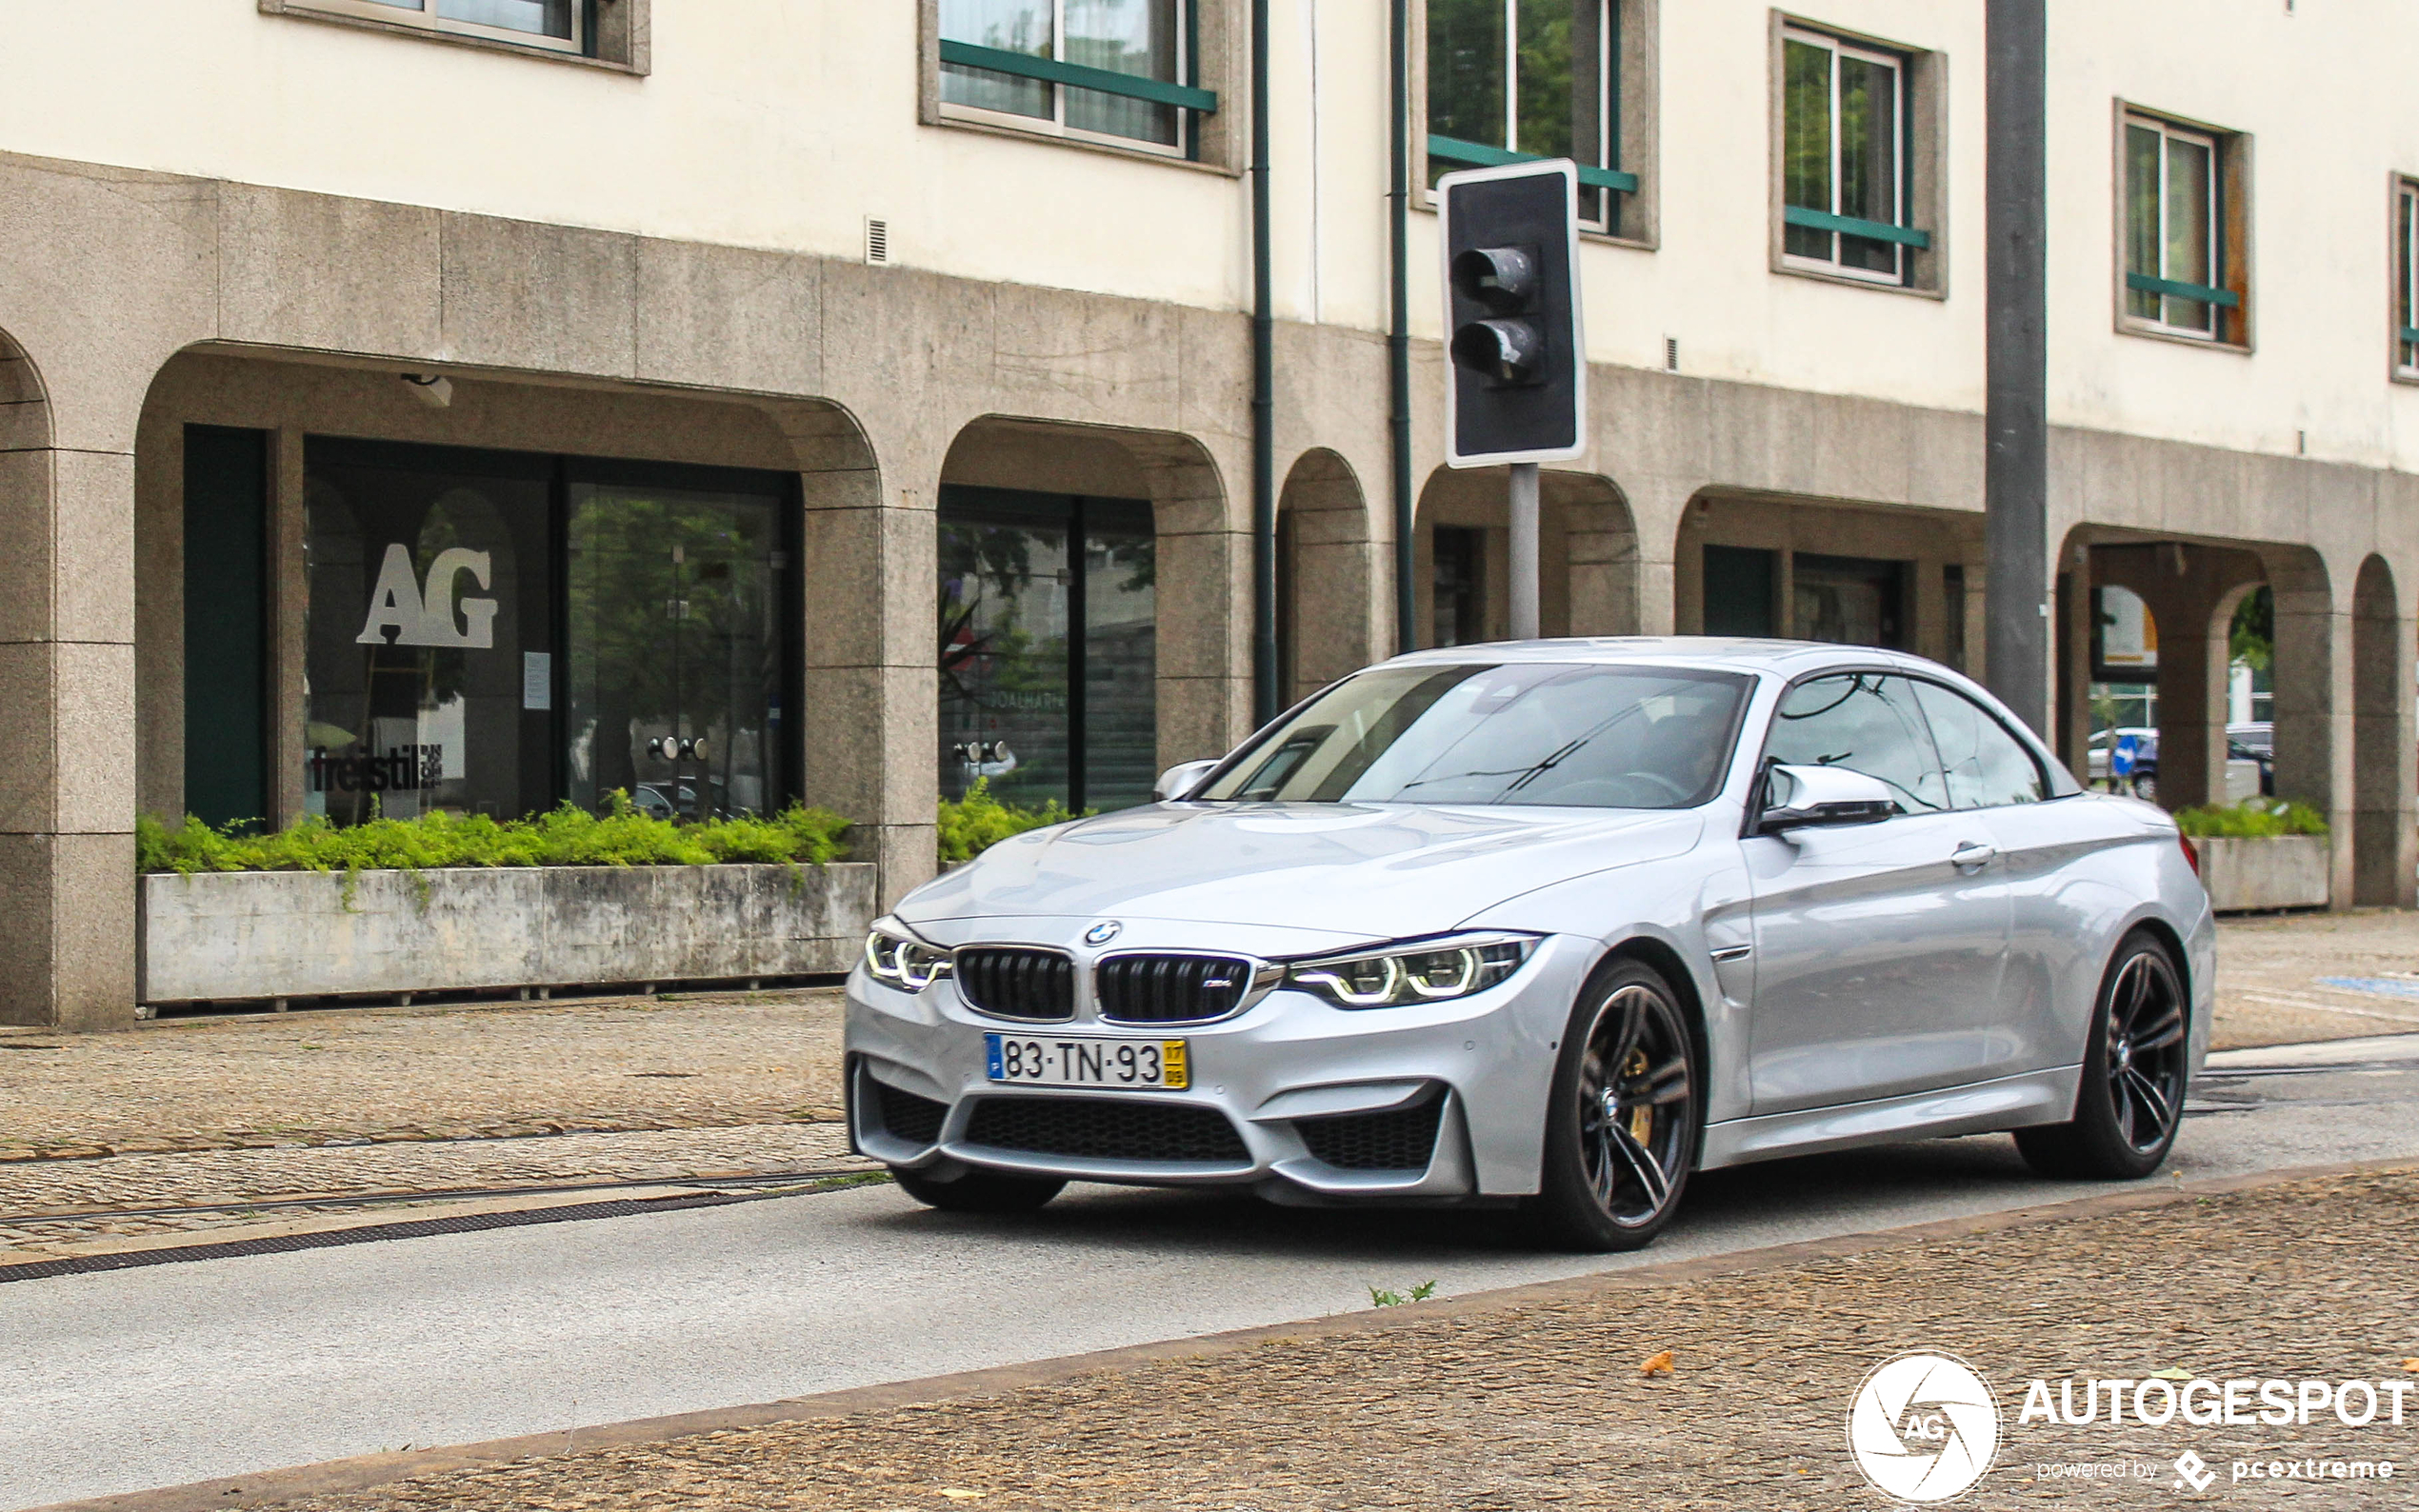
(118, 1381)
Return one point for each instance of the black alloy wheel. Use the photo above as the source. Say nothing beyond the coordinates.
(1623, 1126)
(2135, 1072)
(974, 1190)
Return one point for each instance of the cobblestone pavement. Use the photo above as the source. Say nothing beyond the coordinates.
(139, 1181)
(1543, 1403)
(2273, 977)
(343, 1075)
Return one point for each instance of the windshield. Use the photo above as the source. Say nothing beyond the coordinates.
(1524, 732)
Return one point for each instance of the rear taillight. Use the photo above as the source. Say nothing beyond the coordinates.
(2191, 854)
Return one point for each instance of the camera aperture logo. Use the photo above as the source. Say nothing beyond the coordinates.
(1922, 1427)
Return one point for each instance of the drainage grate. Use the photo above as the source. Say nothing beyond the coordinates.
(414, 1228)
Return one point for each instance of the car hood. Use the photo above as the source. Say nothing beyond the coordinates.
(1356, 871)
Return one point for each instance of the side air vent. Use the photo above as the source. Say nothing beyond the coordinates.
(917, 1119)
(1400, 1139)
(1013, 981)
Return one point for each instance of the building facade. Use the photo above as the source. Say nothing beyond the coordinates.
(484, 404)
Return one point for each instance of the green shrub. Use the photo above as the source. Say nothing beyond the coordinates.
(567, 836)
(972, 824)
(2251, 818)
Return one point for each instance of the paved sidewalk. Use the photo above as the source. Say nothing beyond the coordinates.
(343, 1075)
(2279, 979)
(1487, 1407)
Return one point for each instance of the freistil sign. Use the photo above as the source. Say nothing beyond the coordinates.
(424, 615)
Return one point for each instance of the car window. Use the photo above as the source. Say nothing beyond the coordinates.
(1867, 722)
(1987, 766)
(1574, 735)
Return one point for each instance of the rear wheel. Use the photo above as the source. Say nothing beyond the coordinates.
(978, 1191)
(1623, 1123)
(2134, 1066)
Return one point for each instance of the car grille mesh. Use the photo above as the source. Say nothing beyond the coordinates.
(1016, 983)
(917, 1119)
(1400, 1139)
(1171, 989)
(1097, 1128)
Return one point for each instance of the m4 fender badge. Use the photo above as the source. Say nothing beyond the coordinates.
(1102, 932)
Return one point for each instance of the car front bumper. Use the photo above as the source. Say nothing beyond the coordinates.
(1320, 1105)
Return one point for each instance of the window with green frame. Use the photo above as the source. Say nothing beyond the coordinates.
(1844, 160)
(1112, 71)
(2407, 278)
(1515, 79)
(2175, 252)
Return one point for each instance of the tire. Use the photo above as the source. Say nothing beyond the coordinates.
(2146, 787)
(1617, 1157)
(2135, 1064)
(978, 1191)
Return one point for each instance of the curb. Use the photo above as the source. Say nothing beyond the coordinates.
(360, 1472)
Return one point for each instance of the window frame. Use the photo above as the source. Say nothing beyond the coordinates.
(1922, 179)
(2042, 765)
(2402, 285)
(1902, 170)
(1190, 121)
(1629, 116)
(2230, 301)
(2040, 772)
(579, 45)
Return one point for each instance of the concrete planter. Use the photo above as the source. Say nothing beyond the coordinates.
(2283, 871)
(271, 934)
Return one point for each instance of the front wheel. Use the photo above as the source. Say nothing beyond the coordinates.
(978, 1191)
(2134, 1067)
(1623, 1118)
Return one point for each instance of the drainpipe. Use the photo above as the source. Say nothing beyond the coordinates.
(1398, 336)
(1264, 498)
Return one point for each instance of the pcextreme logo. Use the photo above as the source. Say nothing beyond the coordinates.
(1922, 1427)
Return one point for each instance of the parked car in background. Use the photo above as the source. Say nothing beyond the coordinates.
(2115, 767)
(1555, 925)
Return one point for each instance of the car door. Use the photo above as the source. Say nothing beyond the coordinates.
(2057, 917)
(1878, 946)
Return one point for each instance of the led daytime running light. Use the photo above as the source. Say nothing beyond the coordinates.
(1437, 972)
(910, 964)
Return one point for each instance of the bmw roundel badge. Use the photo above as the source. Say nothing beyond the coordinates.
(1102, 932)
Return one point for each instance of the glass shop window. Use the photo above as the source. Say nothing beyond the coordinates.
(493, 632)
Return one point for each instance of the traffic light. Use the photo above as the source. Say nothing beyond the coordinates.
(1518, 389)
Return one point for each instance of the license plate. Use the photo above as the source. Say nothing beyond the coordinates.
(1033, 1061)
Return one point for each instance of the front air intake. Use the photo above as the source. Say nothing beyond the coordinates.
(1014, 982)
(1171, 989)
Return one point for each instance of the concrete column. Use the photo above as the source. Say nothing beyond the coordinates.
(66, 719)
(289, 618)
(2313, 703)
(870, 685)
(2384, 844)
(1657, 508)
(1204, 603)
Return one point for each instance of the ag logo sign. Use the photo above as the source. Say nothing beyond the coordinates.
(425, 617)
(1922, 1427)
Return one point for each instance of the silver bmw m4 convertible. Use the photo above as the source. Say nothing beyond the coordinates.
(1550, 925)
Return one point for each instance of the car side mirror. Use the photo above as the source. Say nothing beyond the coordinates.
(1179, 780)
(1802, 797)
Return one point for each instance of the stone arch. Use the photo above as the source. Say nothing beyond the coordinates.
(2382, 758)
(1197, 579)
(1586, 552)
(1326, 607)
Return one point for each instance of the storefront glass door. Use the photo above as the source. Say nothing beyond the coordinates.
(675, 646)
(1048, 640)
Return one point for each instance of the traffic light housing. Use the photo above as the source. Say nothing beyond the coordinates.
(1517, 379)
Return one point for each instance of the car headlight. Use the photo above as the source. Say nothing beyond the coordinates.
(1425, 971)
(903, 961)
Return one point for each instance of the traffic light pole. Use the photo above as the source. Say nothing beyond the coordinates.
(1523, 550)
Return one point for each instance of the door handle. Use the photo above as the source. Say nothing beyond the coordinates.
(1972, 855)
